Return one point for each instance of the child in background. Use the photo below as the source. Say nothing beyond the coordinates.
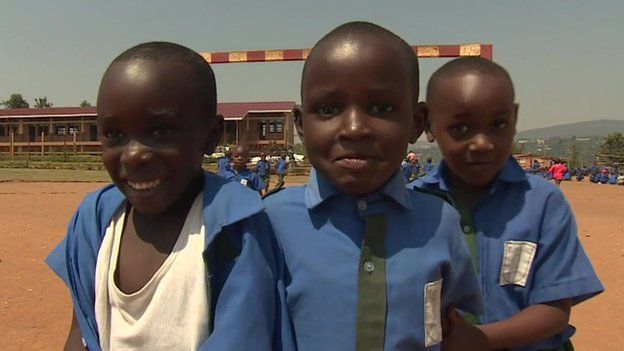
(370, 264)
(428, 166)
(281, 169)
(241, 174)
(531, 265)
(169, 257)
(263, 170)
(224, 163)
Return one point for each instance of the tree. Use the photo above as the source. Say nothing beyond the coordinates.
(574, 153)
(16, 101)
(42, 102)
(85, 103)
(613, 147)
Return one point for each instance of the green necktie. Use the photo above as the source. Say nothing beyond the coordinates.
(371, 312)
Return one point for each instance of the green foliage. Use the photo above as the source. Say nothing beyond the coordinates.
(300, 149)
(613, 147)
(16, 101)
(85, 103)
(42, 102)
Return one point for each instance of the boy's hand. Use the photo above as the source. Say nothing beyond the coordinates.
(462, 336)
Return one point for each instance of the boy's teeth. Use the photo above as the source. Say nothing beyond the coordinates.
(144, 185)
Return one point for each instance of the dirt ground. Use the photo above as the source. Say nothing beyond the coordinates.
(35, 308)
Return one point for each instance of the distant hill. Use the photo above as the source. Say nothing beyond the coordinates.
(599, 128)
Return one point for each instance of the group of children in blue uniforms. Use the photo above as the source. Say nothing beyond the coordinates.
(259, 179)
(354, 259)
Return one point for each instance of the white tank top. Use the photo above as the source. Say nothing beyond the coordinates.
(171, 311)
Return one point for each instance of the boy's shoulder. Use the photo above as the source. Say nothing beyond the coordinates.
(284, 197)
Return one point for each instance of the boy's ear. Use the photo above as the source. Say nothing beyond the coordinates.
(215, 133)
(515, 121)
(427, 123)
(420, 113)
(298, 115)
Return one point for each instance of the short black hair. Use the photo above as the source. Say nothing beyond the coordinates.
(204, 80)
(469, 64)
(362, 27)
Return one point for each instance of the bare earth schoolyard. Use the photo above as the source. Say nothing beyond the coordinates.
(35, 309)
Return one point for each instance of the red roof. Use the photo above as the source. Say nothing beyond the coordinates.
(238, 110)
(48, 112)
(229, 110)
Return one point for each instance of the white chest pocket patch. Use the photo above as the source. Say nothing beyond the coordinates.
(517, 260)
(244, 182)
(433, 327)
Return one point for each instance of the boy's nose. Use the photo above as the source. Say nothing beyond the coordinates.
(480, 143)
(135, 153)
(355, 124)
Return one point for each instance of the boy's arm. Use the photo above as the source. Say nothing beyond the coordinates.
(246, 310)
(531, 325)
(74, 338)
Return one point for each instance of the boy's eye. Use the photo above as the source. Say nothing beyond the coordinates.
(500, 124)
(112, 134)
(162, 131)
(458, 130)
(382, 108)
(328, 111)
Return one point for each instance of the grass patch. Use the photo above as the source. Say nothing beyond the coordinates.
(52, 175)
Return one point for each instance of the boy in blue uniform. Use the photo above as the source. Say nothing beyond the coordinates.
(281, 169)
(224, 163)
(428, 166)
(169, 257)
(370, 264)
(241, 174)
(531, 265)
(263, 170)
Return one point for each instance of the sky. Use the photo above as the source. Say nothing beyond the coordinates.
(562, 55)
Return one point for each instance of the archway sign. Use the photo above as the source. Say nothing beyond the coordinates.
(422, 51)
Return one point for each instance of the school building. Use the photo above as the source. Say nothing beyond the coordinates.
(259, 125)
(526, 160)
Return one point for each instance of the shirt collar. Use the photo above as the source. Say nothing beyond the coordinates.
(319, 190)
(511, 173)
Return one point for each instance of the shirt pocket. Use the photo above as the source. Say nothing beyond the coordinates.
(517, 260)
(433, 327)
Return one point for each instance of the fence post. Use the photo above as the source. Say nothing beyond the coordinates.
(42, 143)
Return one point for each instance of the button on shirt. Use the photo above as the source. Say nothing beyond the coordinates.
(528, 249)
(321, 232)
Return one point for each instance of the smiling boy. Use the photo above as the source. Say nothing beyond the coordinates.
(531, 265)
(169, 257)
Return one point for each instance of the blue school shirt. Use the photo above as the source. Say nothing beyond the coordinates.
(406, 170)
(246, 178)
(522, 212)
(224, 166)
(246, 312)
(320, 232)
(428, 167)
(282, 166)
(263, 168)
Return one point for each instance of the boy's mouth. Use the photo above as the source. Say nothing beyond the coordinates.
(353, 162)
(143, 185)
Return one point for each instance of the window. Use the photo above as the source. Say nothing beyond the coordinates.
(272, 127)
(61, 130)
(2, 131)
(262, 130)
(73, 129)
(279, 127)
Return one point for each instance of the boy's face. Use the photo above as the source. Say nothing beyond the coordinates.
(154, 131)
(473, 118)
(359, 112)
(240, 158)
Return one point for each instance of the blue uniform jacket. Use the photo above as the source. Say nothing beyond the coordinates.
(240, 254)
(263, 168)
(528, 249)
(246, 178)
